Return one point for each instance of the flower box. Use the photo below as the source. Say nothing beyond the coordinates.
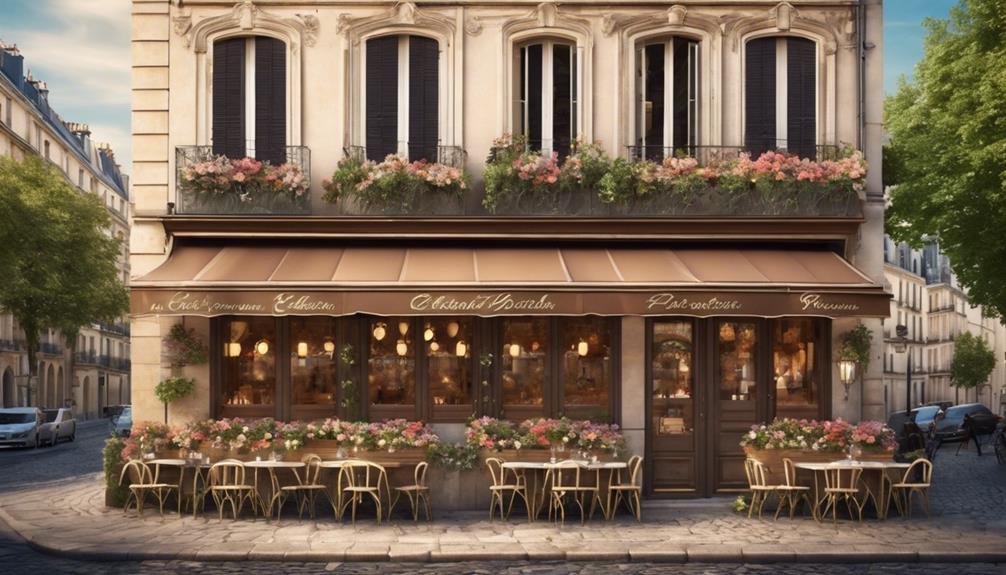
(772, 459)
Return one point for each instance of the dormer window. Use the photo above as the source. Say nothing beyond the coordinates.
(780, 108)
(546, 98)
(667, 86)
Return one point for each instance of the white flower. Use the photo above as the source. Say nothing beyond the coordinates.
(268, 436)
(516, 445)
(565, 440)
(752, 435)
(244, 429)
(381, 443)
(288, 444)
(241, 438)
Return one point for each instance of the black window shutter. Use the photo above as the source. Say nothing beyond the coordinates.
(270, 100)
(655, 98)
(562, 98)
(424, 84)
(229, 97)
(682, 118)
(759, 103)
(382, 97)
(534, 94)
(801, 69)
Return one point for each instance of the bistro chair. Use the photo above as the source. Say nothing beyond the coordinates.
(418, 493)
(227, 485)
(566, 483)
(917, 479)
(758, 485)
(632, 489)
(143, 482)
(305, 490)
(500, 487)
(359, 478)
(841, 484)
(791, 494)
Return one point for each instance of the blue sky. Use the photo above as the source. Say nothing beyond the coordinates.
(81, 48)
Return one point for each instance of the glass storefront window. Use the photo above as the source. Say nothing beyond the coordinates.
(448, 343)
(673, 375)
(585, 366)
(794, 366)
(249, 367)
(391, 367)
(524, 361)
(313, 364)
(738, 352)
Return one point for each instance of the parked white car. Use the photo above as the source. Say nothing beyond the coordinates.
(122, 424)
(20, 426)
(59, 426)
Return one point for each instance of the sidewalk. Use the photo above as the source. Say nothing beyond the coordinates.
(968, 524)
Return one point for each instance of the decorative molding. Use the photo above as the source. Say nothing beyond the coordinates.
(737, 28)
(548, 15)
(473, 26)
(608, 24)
(784, 13)
(182, 24)
(246, 16)
(674, 17)
(405, 14)
(311, 26)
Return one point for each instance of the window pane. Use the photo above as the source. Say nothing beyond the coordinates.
(673, 377)
(795, 368)
(653, 101)
(586, 366)
(382, 97)
(449, 366)
(313, 364)
(738, 350)
(249, 365)
(392, 362)
(562, 98)
(532, 90)
(525, 344)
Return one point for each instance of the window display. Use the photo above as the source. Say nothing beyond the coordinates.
(524, 361)
(795, 370)
(248, 372)
(391, 363)
(449, 367)
(673, 377)
(738, 353)
(313, 364)
(586, 366)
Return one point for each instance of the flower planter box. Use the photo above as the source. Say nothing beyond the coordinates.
(772, 459)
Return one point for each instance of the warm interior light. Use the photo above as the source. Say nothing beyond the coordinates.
(380, 330)
(233, 349)
(846, 371)
(461, 349)
(329, 346)
(514, 350)
(683, 367)
(535, 346)
(434, 346)
(302, 349)
(403, 327)
(402, 348)
(581, 348)
(452, 329)
(262, 347)
(428, 334)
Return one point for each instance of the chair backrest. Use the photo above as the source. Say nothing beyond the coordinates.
(420, 474)
(635, 466)
(312, 468)
(229, 472)
(789, 470)
(926, 470)
(138, 473)
(565, 473)
(842, 477)
(755, 472)
(495, 466)
(360, 473)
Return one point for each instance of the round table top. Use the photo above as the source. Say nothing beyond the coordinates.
(266, 463)
(175, 462)
(549, 465)
(338, 463)
(844, 463)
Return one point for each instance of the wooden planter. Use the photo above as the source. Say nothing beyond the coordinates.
(772, 459)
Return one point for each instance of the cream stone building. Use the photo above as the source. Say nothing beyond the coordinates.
(684, 328)
(98, 374)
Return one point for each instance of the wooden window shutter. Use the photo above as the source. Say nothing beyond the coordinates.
(229, 97)
(270, 100)
(563, 60)
(759, 99)
(534, 93)
(801, 84)
(382, 97)
(424, 104)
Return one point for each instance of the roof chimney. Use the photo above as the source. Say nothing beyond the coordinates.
(78, 128)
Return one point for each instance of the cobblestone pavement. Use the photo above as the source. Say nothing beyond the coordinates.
(969, 516)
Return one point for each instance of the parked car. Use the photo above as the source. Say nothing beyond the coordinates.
(925, 415)
(19, 426)
(122, 424)
(59, 426)
(950, 427)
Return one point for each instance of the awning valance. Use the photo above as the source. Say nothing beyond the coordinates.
(271, 279)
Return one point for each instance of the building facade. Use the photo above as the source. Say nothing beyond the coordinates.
(935, 309)
(684, 322)
(95, 372)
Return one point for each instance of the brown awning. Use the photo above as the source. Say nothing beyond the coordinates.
(343, 280)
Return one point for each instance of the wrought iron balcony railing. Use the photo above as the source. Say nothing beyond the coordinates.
(50, 348)
(12, 345)
(707, 155)
(86, 358)
(449, 155)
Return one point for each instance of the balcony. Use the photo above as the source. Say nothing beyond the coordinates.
(115, 328)
(15, 345)
(86, 358)
(50, 348)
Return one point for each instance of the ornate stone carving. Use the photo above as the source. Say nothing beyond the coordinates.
(784, 13)
(676, 15)
(400, 14)
(311, 28)
(473, 26)
(608, 24)
(245, 15)
(181, 25)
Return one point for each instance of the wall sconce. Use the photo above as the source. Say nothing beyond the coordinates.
(847, 374)
(403, 327)
(461, 349)
(402, 348)
(428, 334)
(302, 349)
(262, 347)
(452, 329)
(582, 348)
(232, 349)
(380, 330)
(514, 350)
(329, 346)
(434, 346)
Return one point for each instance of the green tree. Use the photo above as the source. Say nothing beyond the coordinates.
(948, 148)
(57, 259)
(973, 361)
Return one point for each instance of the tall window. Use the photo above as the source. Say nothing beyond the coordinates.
(525, 367)
(391, 369)
(738, 353)
(585, 367)
(313, 364)
(546, 99)
(673, 375)
(402, 83)
(448, 343)
(781, 95)
(667, 80)
(249, 98)
(248, 385)
(796, 367)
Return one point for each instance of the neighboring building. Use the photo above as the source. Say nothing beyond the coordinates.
(684, 329)
(931, 304)
(100, 369)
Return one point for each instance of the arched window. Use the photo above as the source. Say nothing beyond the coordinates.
(402, 97)
(780, 108)
(546, 95)
(249, 98)
(667, 86)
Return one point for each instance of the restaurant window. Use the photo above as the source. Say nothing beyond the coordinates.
(780, 100)
(449, 372)
(738, 352)
(673, 377)
(313, 365)
(585, 367)
(546, 98)
(249, 367)
(249, 98)
(391, 372)
(525, 367)
(796, 367)
(667, 81)
(402, 97)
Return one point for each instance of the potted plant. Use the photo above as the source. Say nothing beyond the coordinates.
(397, 186)
(172, 389)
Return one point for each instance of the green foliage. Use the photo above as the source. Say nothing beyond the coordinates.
(111, 457)
(58, 262)
(347, 356)
(395, 185)
(185, 347)
(948, 133)
(741, 504)
(347, 177)
(174, 388)
(856, 345)
(453, 456)
(973, 361)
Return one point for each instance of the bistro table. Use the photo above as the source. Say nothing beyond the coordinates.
(263, 492)
(336, 498)
(542, 470)
(875, 485)
(182, 465)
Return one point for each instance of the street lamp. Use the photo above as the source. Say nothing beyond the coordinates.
(846, 374)
(900, 346)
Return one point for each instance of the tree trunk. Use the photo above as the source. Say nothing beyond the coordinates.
(32, 344)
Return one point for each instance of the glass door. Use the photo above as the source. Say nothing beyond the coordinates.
(675, 420)
(738, 397)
